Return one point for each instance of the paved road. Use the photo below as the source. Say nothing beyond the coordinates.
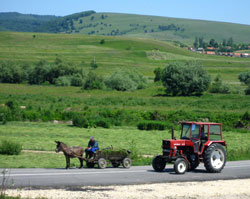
(59, 178)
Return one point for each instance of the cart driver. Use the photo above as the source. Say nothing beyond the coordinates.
(92, 147)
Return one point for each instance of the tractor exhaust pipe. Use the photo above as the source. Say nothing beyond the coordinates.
(173, 137)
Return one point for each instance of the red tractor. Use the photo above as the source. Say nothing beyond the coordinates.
(200, 142)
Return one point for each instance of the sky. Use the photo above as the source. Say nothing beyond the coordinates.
(214, 10)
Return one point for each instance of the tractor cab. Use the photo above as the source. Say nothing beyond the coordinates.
(201, 133)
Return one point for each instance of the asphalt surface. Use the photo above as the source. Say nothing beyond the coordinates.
(61, 178)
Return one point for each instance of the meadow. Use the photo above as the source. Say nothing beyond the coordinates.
(48, 103)
(37, 136)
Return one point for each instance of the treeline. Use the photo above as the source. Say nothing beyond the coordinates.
(170, 27)
(36, 23)
(60, 73)
(227, 45)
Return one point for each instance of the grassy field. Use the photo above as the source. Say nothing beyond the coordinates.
(116, 53)
(41, 136)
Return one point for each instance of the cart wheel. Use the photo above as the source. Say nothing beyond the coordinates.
(126, 163)
(116, 164)
(102, 163)
(90, 164)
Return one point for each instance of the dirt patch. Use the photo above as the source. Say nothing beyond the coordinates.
(228, 189)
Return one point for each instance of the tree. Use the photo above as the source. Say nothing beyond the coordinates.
(185, 79)
(158, 74)
(196, 42)
(230, 42)
(93, 64)
(201, 42)
(244, 77)
(80, 22)
(212, 42)
(224, 43)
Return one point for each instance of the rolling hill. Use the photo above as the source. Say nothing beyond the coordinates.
(115, 24)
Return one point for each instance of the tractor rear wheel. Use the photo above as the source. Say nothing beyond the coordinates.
(158, 163)
(215, 158)
(180, 166)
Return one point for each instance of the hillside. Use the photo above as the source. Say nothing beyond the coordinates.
(114, 24)
(143, 55)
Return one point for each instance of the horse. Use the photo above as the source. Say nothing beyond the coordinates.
(70, 152)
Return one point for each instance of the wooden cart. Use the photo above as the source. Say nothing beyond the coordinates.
(110, 155)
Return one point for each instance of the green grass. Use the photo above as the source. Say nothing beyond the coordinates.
(116, 53)
(41, 136)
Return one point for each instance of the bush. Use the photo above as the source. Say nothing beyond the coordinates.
(10, 148)
(247, 91)
(126, 81)
(245, 77)
(185, 79)
(219, 87)
(83, 121)
(77, 80)
(63, 81)
(102, 41)
(93, 82)
(80, 120)
(10, 72)
(93, 64)
(152, 125)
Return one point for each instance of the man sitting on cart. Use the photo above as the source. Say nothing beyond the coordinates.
(92, 147)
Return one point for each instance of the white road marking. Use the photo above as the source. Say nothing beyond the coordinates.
(78, 173)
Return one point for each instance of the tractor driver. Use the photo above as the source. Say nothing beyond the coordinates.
(92, 147)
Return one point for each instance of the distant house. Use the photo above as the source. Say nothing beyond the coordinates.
(248, 47)
(192, 49)
(210, 53)
(237, 54)
(228, 47)
(245, 54)
(210, 48)
(200, 49)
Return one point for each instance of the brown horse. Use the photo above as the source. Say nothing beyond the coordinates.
(70, 152)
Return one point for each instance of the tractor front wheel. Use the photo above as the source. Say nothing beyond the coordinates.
(158, 163)
(215, 158)
(180, 166)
